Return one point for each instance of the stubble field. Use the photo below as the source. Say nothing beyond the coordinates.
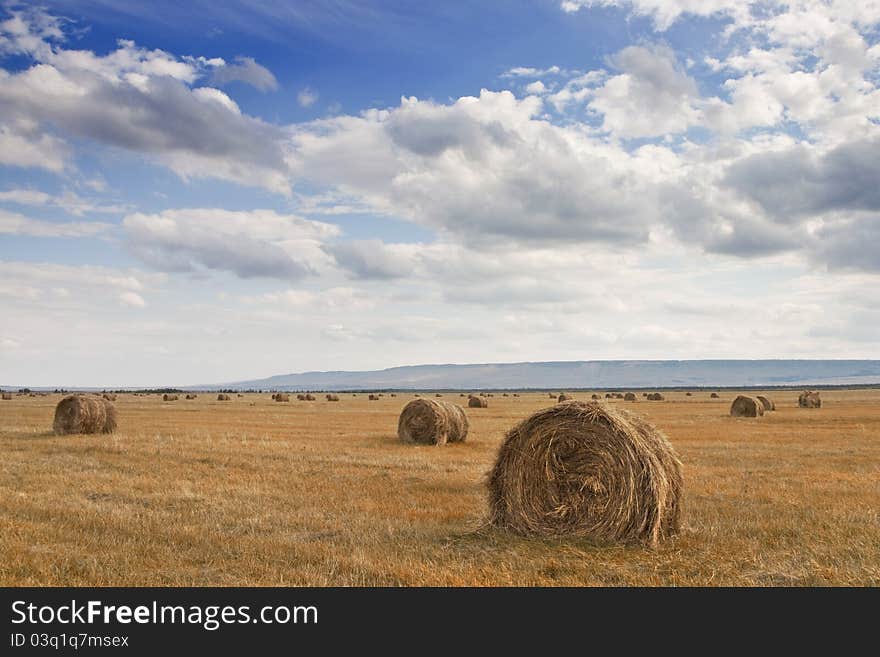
(253, 492)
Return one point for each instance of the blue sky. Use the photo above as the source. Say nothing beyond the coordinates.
(191, 194)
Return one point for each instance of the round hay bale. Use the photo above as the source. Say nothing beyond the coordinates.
(274, 396)
(516, 394)
(222, 397)
(744, 406)
(109, 396)
(191, 396)
(394, 394)
(332, 398)
(504, 394)
(714, 395)
(431, 422)
(373, 397)
(300, 397)
(438, 395)
(809, 399)
(586, 469)
(553, 395)
(766, 403)
(477, 402)
(687, 394)
(618, 395)
(84, 414)
(167, 397)
(655, 396)
(282, 397)
(563, 397)
(7, 396)
(629, 396)
(594, 397)
(309, 397)
(607, 395)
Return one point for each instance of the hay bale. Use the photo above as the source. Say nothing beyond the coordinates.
(655, 396)
(744, 406)
(373, 397)
(431, 422)
(586, 469)
(282, 397)
(394, 394)
(594, 396)
(477, 402)
(767, 403)
(191, 396)
(630, 396)
(714, 395)
(552, 395)
(332, 398)
(309, 397)
(84, 414)
(222, 397)
(809, 399)
(516, 394)
(167, 397)
(109, 396)
(607, 395)
(7, 396)
(618, 395)
(504, 394)
(687, 394)
(300, 397)
(563, 397)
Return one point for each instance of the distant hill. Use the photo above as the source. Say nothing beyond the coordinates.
(582, 374)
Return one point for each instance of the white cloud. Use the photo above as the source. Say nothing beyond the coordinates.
(245, 69)
(13, 223)
(307, 97)
(132, 299)
(531, 72)
(250, 244)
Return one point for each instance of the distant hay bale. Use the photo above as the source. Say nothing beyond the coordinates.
(607, 395)
(687, 394)
(191, 396)
(594, 396)
(563, 397)
(300, 397)
(744, 406)
(274, 396)
(109, 396)
(282, 397)
(461, 395)
(714, 395)
(767, 403)
(586, 469)
(394, 394)
(655, 396)
(809, 399)
(618, 395)
(167, 397)
(239, 395)
(438, 395)
(223, 397)
(373, 397)
(431, 422)
(7, 395)
(417, 395)
(332, 397)
(516, 394)
(84, 414)
(309, 397)
(477, 402)
(553, 395)
(629, 396)
(504, 394)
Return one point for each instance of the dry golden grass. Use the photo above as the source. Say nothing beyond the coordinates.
(250, 492)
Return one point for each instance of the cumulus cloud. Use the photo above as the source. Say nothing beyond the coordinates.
(245, 69)
(135, 99)
(259, 243)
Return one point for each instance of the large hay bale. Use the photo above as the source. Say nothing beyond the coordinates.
(191, 396)
(477, 402)
(563, 397)
(586, 469)
(766, 403)
(630, 396)
(167, 397)
(655, 396)
(744, 406)
(7, 395)
(309, 397)
(222, 397)
(300, 397)
(332, 397)
(109, 396)
(809, 399)
(282, 397)
(432, 422)
(84, 414)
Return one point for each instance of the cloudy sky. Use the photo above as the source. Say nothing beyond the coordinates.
(191, 194)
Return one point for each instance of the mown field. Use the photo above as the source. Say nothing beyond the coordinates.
(253, 492)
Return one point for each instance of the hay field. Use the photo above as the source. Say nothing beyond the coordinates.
(253, 492)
